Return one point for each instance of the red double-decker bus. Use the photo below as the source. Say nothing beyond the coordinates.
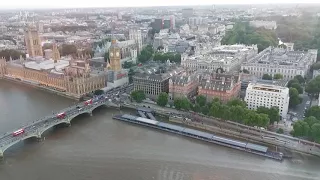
(61, 115)
(88, 102)
(18, 132)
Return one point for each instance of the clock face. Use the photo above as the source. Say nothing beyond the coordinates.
(111, 54)
(117, 54)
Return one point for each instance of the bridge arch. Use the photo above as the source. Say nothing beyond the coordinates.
(78, 114)
(52, 125)
(98, 106)
(7, 146)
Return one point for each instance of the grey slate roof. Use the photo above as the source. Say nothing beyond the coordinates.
(220, 82)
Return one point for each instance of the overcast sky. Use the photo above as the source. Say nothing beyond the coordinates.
(131, 3)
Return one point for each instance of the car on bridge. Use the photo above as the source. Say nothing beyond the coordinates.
(79, 108)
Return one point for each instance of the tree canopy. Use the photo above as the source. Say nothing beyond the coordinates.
(98, 92)
(182, 103)
(138, 96)
(294, 97)
(278, 76)
(267, 77)
(243, 33)
(201, 100)
(236, 110)
(163, 57)
(313, 86)
(303, 31)
(162, 99)
(313, 111)
(273, 113)
(145, 54)
(307, 128)
(14, 54)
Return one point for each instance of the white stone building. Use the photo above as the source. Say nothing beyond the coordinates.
(258, 95)
(280, 61)
(224, 58)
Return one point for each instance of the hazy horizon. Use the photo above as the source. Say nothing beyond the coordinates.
(38, 4)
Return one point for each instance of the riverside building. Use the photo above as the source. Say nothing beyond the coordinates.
(258, 95)
(70, 76)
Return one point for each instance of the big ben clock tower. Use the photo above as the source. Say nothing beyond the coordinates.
(114, 56)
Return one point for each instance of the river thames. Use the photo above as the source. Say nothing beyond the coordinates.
(100, 148)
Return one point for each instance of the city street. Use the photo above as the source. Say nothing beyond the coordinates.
(299, 110)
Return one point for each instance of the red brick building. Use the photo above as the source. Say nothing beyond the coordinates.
(222, 86)
(183, 86)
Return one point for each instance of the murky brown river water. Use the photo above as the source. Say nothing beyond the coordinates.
(100, 148)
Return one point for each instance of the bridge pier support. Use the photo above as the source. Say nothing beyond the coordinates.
(1, 153)
(90, 113)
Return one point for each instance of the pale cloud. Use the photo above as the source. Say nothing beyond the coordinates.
(132, 3)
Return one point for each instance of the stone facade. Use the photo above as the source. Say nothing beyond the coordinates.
(73, 84)
(33, 42)
(225, 58)
(280, 61)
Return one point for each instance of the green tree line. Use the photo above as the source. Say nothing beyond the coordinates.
(243, 33)
(14, 54)
(145, 54)
(163, 57)
(303, 31)
(309, 127)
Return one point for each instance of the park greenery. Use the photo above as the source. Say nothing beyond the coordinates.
(14, 54)
(297, 82)
(145, 54)
(266, 77)
(275, 77)
(313, 87)
(163, 57)
(69, 49)
(295, 86)
(128, 65)
(243, 33)
(309, 128)
(98, 92)
(315, 66)
(303, 31)
(294, 97)
(138, 96)
(148, 54)
(162, 99)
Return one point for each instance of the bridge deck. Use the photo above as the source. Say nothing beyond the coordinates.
(151, 116)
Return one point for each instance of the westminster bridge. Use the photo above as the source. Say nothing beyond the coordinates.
(37, 128)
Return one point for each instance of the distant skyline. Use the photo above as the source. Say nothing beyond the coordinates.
(18, 4)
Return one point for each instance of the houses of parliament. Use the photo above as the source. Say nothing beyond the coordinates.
(71, 76)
